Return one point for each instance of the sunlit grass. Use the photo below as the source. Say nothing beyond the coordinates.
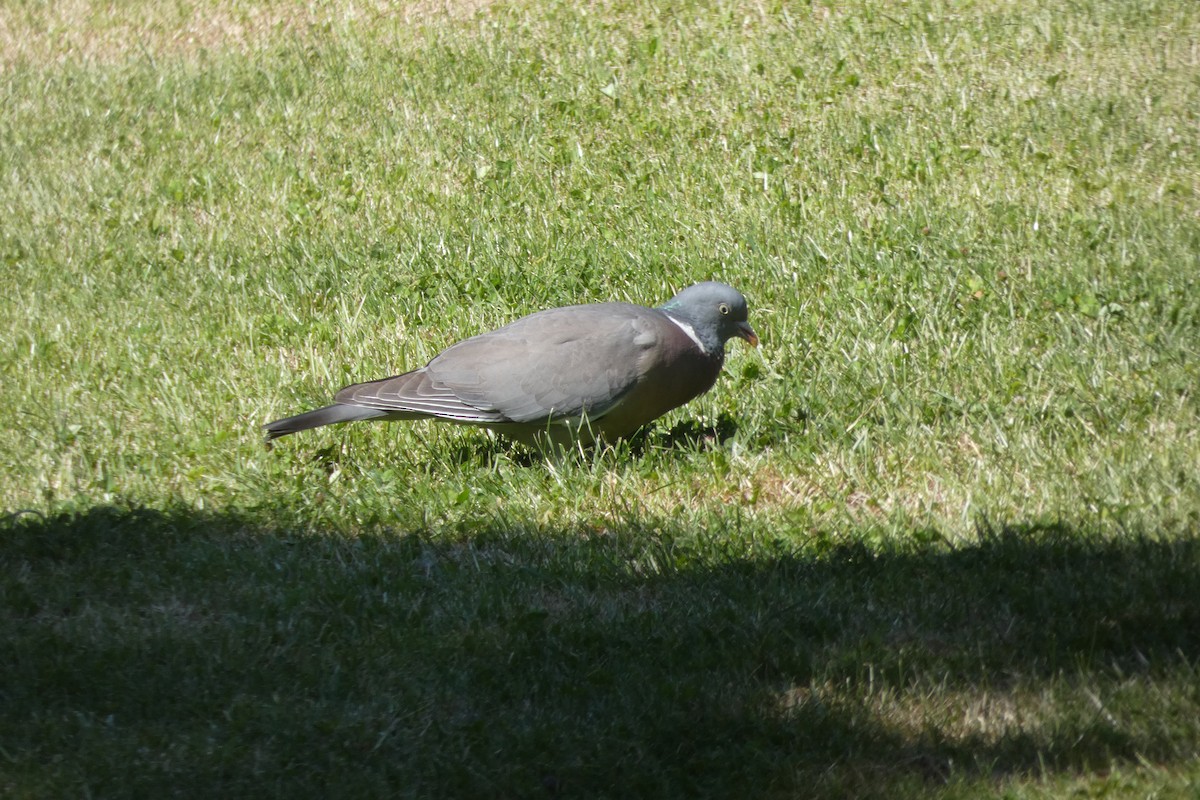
(969, 235)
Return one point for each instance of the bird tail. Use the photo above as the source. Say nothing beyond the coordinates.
(329, 415)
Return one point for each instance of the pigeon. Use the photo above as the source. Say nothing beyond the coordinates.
(572, 375)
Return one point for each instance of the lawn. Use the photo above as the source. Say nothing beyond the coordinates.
(938, 537)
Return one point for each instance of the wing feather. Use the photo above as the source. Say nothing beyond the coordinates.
(558, 364)
(564, 363)
(416, 393)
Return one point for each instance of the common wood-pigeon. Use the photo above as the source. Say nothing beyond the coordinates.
(571, 374)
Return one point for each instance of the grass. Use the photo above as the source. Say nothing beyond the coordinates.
(937, 538)
(203, 651)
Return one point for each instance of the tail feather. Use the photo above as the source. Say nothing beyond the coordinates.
(329, 415)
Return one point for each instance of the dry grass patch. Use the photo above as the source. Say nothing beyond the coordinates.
(97, 32)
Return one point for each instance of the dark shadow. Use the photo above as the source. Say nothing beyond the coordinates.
(687, 434)
(151, 651)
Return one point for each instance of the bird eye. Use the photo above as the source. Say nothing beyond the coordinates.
(724, 309)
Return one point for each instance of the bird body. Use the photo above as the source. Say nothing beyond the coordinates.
(571, 374)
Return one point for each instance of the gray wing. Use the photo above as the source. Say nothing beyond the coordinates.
(417, 394)
(554, 364)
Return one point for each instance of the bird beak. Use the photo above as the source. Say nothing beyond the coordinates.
(744, 331)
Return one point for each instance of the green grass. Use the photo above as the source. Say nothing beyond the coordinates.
(938, 537)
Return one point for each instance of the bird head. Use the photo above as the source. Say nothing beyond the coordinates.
(715, 311)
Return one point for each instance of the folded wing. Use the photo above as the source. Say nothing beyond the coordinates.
(558, 364)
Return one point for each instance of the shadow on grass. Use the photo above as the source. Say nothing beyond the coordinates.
(685, 435)
(151, 651)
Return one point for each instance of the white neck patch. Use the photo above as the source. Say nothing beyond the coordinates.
(691, 333)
